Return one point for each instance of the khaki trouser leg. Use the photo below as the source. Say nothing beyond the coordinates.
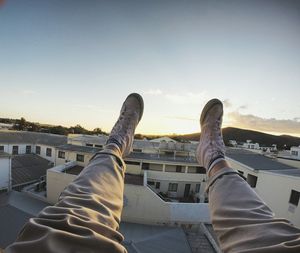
(86, 217)
(243, 222)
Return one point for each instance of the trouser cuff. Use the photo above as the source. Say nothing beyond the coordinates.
(113, 151)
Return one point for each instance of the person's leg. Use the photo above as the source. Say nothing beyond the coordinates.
(87, 215)
(241, 220)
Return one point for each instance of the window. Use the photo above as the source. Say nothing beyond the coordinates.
(178, 168)
(241, 172)
(79, 158)
(132, 163)
(252, 180)
(197, 189)
(38, 150)
(15, 150)
(89, 145)
(150, 183)
(145, 166)
(61, 154)
(173, 187)
(157, 185)
(98, 146)
(294, 198)
(28, 149)
(1, 148)
(49, 152)
(201, 170)
(295, 153)
(138, 150)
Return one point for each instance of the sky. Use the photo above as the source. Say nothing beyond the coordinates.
(68, 62)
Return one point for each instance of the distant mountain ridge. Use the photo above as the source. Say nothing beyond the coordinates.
(241, 135)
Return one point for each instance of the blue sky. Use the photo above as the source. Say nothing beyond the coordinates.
(73, 62)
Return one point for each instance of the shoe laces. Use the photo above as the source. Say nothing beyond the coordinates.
(126, 122)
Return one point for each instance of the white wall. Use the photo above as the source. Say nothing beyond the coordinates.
(275, 190)
(288, 162)
(141, 205)
(5, 166)
(71, 156)
(43, 152)
(21, 150)
(56, 183)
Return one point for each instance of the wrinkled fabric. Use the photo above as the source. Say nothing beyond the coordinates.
(86, 217)
(243, 223)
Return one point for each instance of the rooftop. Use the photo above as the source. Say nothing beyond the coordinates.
(78, 148)
(162, 158)
(141, 238)
(133, 155)
(16, 208)
(74, 170)
(11, 137)
(28, 168)
(260, 162)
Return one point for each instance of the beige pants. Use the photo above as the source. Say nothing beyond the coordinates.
(87, 215)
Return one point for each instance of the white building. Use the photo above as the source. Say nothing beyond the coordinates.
(249, 145)
(141, 203)
(5, 126)
(42, 144)
(295, 152)
(276, 183)
(169, 170)
(5, 171)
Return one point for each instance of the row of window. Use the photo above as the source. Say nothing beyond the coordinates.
(62, 155)
(15, 149)
(92, 145)
(295, 153)
(173, 187)
(179, 168)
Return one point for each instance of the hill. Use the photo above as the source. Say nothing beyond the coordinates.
(241, 135)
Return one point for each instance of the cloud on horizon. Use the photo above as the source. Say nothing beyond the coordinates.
(249, 121)
(182, 98)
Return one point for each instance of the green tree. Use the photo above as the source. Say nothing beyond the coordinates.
(97, 130)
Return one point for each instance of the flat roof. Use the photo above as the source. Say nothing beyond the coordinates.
(15, 211)
(24, 137)
(163, 158)
(27, 168)
(78, 148)
(260, 162)
(16, 208)
(140, 238)
(134, 155)
(74, 170)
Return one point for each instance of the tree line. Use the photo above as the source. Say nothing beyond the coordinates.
(23, 125)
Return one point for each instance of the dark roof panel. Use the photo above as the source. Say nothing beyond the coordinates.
(260, 162)
(27, 168)
(32, 138)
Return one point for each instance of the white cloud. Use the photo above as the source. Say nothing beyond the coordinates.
(249, 121)
(153, 92)
(182, 98)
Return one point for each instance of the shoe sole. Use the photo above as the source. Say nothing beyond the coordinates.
(208, 106)
(141, 102)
